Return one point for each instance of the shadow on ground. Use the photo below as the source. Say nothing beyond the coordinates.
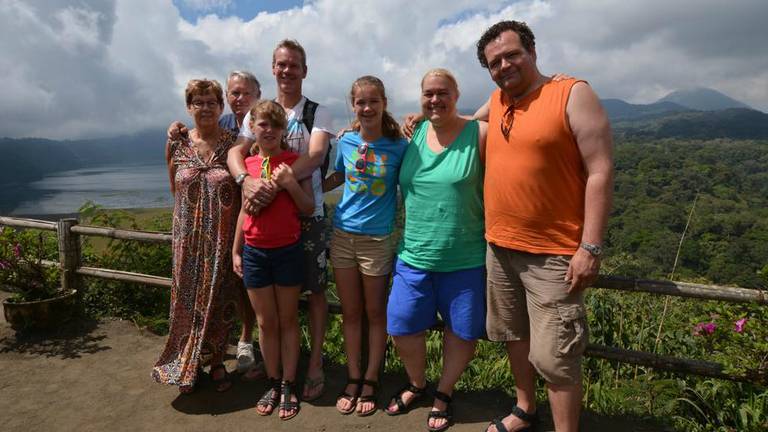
(73, 340)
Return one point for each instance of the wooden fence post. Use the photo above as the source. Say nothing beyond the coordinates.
(69, 255)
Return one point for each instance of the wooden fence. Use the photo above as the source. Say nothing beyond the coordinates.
(69, 232)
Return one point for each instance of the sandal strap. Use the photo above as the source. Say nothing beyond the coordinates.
(499, 425)
(413, 389)
(440, 414)
(443, 397)
(524, 416)
(270, 398)
(343, 394)
(371, 397)
(286, 389)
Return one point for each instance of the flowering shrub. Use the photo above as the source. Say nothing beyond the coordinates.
(21, 267)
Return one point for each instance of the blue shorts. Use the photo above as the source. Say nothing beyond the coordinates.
(418, 295)
(264, 267)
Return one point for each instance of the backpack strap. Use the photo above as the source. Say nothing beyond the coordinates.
(308, 114)
(308, 118)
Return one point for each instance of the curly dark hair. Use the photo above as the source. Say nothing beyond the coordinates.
(519, 27)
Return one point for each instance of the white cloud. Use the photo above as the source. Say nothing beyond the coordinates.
(79, 68)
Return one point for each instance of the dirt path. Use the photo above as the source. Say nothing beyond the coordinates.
(95, 377)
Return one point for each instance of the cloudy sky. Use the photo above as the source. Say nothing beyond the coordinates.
(95, 68)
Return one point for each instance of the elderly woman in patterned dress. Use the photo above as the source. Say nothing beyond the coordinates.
(207, 202)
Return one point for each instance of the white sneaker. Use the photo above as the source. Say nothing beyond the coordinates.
(245, 358)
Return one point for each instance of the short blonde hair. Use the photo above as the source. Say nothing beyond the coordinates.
(445, 73)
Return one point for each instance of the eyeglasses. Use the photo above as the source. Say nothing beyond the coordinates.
(208, 104)
(507, 119)
(362, 150)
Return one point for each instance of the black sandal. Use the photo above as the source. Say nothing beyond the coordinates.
(270, 398)
(286, 390)
(368, 398)
(220, 383)
(531, 419)
(446, 414)
(352, 398)
(402, 408)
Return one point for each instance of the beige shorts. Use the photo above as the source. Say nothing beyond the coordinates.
(528, 300)
(373, 255)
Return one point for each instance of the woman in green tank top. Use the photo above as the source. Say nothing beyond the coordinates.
(441, 260)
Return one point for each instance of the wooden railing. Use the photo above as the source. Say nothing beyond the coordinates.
(69, 232)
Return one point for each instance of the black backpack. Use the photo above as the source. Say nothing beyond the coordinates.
(308, 118)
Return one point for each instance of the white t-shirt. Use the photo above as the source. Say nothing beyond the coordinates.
(297, 137)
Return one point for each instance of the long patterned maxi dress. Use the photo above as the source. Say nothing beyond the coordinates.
(204, 287)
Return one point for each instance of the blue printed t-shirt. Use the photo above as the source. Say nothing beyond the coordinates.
(368, 203)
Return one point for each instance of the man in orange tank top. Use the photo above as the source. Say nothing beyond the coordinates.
(548, 188)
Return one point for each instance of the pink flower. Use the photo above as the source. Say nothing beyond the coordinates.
(705, 328)
(17, 250)
(4, 265)
(738, 326)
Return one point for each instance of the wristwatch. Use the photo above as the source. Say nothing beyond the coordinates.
(241, 178)
(593, 249)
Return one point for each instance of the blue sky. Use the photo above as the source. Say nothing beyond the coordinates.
(190, 10)
(95, 68)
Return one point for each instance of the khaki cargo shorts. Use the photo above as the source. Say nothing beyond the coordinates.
(528, 300)
(372, 255)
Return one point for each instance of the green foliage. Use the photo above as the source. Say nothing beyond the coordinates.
(147, 305)
(656, 184)
(21, 267)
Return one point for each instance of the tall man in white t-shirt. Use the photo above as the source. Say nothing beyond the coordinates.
(289, 66)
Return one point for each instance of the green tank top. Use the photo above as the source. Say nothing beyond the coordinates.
(443, 195)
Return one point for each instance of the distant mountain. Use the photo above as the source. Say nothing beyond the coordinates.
(702, 99)
(29, 159)
(733, 123)
(617, 109)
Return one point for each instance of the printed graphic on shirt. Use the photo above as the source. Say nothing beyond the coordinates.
(369, 176)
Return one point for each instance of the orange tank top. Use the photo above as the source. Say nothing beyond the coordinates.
(535, 180)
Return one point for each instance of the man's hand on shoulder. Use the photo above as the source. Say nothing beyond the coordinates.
(177, 130)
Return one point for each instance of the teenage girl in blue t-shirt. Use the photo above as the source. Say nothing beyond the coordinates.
(362, 247)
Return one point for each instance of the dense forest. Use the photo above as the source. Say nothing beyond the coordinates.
(723, 182)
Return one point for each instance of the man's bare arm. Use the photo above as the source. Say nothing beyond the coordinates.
(307, 163)
(483, 111)
(171, 167)
(257, 193)
(590, 127)
(236, 155)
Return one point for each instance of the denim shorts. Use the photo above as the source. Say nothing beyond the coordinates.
(263, 267)
(418, 295)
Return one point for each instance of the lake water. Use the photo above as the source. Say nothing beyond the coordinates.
(122, 186)
(114, 186)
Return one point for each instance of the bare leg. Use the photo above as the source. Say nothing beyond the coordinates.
(288, 311)
(264, 305)
(375, 289)
(457, 353)
(525, 383)
(412, 349)
(351, 296)
(565, 401)
(318, 317)
(246, 316)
